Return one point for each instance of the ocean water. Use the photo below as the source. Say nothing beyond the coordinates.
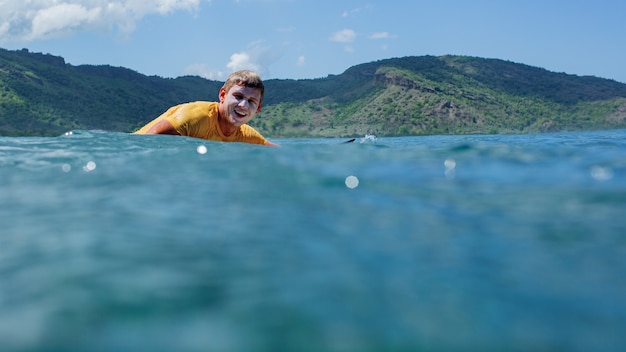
(117, 242)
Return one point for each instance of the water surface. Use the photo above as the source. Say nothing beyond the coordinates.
(119, 242)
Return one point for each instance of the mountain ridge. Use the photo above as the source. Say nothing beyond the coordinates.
(40, 94)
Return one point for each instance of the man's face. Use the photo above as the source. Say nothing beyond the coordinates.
(240, 104)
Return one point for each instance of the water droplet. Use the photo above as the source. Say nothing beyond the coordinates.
(90, 166)
(450, 165)
(601, 173)
(352, 182)
(201, 149)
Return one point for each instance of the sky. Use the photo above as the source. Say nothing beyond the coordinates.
(298, 39)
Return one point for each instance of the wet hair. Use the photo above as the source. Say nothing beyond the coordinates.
(245, 78)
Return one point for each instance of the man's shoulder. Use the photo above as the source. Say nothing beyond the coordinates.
(196, 109)
(199, 105)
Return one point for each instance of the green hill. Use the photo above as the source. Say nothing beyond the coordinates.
(40, 94)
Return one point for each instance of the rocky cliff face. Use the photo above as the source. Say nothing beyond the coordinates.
(386, 77)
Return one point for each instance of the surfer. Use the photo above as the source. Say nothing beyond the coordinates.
(240, 99)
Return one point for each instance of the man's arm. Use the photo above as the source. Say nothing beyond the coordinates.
(163, 127)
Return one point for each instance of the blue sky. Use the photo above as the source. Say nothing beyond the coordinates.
(311, 39)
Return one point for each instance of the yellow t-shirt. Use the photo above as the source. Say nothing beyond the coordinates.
(199, 120)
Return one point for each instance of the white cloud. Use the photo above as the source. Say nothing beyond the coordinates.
(62, 17)
(343, 36)
(203, 71)
(349, 13)
(242, 61)
(379, 35)
(301, 61)
(35, 19)
(256, 57)
(4, 29)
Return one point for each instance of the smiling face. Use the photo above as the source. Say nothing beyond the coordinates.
(238, 106)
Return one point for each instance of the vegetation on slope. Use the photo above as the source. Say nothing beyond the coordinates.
(452, 94)
(42, 95)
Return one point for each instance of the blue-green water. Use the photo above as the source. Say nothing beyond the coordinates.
(116, 242)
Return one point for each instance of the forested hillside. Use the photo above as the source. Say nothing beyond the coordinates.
(40, 94)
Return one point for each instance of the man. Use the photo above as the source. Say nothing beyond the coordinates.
(240, 99)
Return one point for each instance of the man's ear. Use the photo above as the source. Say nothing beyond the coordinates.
(258, 110)
(222, 94)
